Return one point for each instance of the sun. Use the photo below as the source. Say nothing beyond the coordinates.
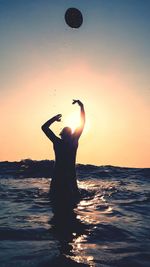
(73, 121)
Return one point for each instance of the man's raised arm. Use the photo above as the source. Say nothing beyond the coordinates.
(45, 127)
(79, 130)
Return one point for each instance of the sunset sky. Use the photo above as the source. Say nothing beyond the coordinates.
(105, 63)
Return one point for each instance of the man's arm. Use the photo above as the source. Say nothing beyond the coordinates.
(79, 130)
(45, 127)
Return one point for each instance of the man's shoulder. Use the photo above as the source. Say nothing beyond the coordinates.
(57, 141)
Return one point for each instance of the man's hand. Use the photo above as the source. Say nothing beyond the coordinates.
(57, 117)
(77, 101)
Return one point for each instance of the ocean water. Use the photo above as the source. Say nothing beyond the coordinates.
(109, 226)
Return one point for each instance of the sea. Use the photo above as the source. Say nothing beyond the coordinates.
(109, 227)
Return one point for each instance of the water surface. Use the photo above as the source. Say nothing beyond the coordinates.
(109, 227)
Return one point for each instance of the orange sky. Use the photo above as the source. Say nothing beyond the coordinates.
(118, 117)
(44, 64)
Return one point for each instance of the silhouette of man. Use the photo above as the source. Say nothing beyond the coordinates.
(64, 184)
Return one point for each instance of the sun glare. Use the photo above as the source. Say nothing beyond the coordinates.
(73, 121)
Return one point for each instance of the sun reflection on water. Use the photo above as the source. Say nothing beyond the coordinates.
(92, 210)
(94, 206)
(80, 251)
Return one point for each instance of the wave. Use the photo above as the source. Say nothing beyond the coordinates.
(28, 168)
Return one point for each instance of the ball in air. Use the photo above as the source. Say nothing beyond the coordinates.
(73, 17)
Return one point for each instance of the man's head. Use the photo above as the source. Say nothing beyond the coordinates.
(66, 133)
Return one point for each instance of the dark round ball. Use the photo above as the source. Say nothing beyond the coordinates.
(73, 17)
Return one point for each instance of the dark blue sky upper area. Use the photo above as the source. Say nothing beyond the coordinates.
(111, 29)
